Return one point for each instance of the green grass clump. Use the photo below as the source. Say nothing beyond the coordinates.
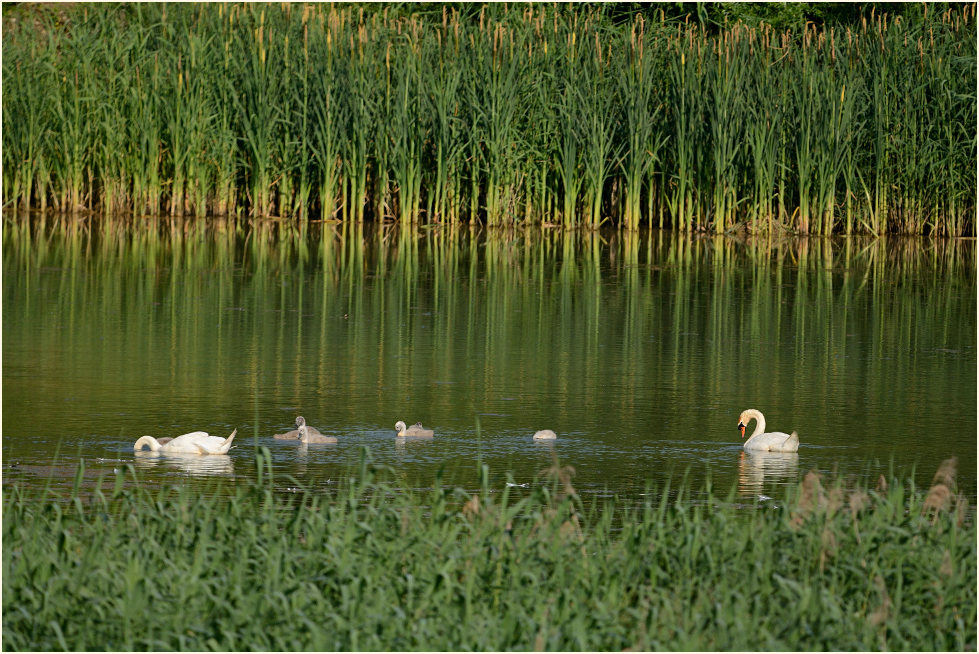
(503, 113)
(373, 566)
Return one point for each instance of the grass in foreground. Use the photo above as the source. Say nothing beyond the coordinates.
(373, 567)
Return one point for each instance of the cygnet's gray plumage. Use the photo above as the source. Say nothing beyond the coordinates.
(294, 434)
(415, 431)
(544, 435)
(306, 435)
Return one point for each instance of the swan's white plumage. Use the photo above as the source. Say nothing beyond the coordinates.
(544, 435)
(416, 430)
(196, 442)
(775, 441)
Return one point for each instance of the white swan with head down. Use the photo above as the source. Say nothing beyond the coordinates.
(196, 442)
(775, 441)
(415, 431)
(544, 435)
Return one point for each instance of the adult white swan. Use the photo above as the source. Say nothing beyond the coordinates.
(196, 442)
(544, 435)
(775, 441)
(415, 431)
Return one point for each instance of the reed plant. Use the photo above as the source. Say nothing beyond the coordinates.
(373, 565)
(448, 140)
(325, 123)
(687, 108)
(493, 114)
(641, 110)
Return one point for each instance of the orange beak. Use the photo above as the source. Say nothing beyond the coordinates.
(741, 426)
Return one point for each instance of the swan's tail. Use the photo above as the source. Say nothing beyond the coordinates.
(226, 445)
(792, 442)
(221, 449)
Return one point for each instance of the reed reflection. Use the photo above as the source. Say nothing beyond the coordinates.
(609, 331)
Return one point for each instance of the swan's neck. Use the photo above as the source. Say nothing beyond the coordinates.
(303, 433)
(149, 441)
(759, 423)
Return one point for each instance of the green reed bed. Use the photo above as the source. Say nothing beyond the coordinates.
(497, 113)
(374, 566)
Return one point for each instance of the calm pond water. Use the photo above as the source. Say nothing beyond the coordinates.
(639, 350)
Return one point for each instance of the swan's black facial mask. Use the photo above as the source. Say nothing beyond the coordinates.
(742, 426)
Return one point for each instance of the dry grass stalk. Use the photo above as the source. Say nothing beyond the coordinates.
(880, 616)
(940, 495)
(828, 547)
(858, 500)
(540, 641)
(937, 499)
(946, 472)
(961, 509)
(812, 497)
(563, 474)
(946, 569)
(834, 499)
(471, 508)
(405, 522)
(571, 528)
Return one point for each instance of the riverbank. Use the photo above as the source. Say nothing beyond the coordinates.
(372, 566)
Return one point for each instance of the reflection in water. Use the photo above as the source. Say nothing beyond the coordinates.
(404, 446)
(756, 468)
(193, 464)
(632, 342)
(304, 448)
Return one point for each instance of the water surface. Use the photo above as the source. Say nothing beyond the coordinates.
(639, 350)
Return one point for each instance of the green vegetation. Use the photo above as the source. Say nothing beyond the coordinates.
(498, 114)
(372, 566)
(230, 312)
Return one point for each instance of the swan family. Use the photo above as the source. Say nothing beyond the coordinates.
(200, 442)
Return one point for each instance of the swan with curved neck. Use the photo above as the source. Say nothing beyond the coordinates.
(294, 434)
(196, 442)
(308, 434)
(775, 441)
(544, 435)
(415, 431)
